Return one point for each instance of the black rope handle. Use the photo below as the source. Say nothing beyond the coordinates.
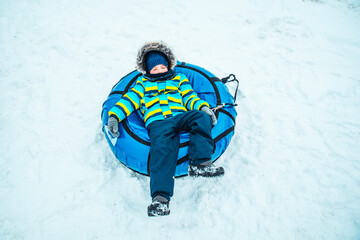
(228, 79)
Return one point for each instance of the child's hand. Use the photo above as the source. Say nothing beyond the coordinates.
(208, 111)
(113, 126)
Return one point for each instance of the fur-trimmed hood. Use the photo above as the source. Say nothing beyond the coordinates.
(154, 46)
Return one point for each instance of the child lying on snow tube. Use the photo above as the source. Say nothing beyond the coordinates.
(169, 105)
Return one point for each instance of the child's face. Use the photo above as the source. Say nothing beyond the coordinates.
(161, 68)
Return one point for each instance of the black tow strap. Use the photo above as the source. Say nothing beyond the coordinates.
(227, 80)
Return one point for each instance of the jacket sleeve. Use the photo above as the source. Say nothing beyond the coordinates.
(129, 102)
(190, 99)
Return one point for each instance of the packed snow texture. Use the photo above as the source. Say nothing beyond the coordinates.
(292, 168)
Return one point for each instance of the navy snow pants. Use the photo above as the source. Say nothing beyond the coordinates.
(165, 140)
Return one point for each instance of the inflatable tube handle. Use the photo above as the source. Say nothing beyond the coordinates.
(226, 80)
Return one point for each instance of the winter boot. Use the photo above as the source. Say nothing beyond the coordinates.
(206, 169)
(158, 207)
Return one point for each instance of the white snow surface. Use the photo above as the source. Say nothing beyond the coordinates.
(292, 167)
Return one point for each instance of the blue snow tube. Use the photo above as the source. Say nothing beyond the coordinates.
(133, 146)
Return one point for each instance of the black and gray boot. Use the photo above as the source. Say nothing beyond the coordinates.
(206, 169)
(159, 207)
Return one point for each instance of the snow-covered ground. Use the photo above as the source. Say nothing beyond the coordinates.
(292, 168)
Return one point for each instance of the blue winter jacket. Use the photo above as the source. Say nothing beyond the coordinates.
(159, 99)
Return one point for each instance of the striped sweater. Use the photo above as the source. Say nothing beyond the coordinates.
(158, 100)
